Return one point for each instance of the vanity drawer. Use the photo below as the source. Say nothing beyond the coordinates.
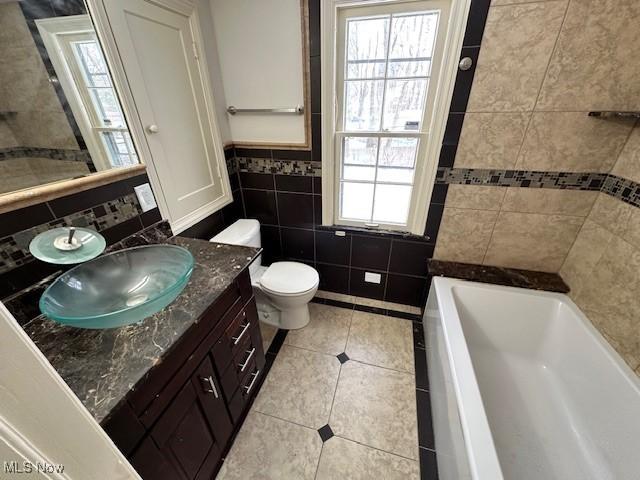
(211, 326)
(249, 352)
(236, 334)
(247, 389)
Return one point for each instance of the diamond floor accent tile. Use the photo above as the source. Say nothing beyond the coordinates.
(325, 432)
(343, 357)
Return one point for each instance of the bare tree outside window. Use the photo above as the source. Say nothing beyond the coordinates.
(386, 77)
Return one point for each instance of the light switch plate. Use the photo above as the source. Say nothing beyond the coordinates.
(145, 197)
(372, 277)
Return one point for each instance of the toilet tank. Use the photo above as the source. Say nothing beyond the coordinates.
(243, 232)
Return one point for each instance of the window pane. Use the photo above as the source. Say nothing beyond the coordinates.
(120, 149)
(353, 172)
(363, 104)
(99, 81)
(395, 175)
(360, 150)
(92, 58)
(367, 38)
(107, 107)
(398, 152)
(404, 102)
(365, 69)
(357, 199)
(413, 35)
(408, 68)
(392, 204)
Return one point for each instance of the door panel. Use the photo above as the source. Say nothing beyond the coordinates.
(157, 49)
(210, 394)
(192, 432)
(151, 464)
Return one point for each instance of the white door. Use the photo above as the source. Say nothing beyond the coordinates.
(43, 424)
(159, 52)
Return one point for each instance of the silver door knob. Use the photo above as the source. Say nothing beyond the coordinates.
(153, 129)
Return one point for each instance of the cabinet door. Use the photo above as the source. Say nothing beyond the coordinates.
(158, 48)
(151, 464)
(193, 431)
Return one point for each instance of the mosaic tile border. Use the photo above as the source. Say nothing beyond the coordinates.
(623, 189)
(48, 153)
(281, 167)
(14, 249)
(232, 165)
(521, 178)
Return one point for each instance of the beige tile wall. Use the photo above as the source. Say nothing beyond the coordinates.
(24, 88)
(602, 269)
(511, 227)
(543, 66)
(19, 173)
(539, 73)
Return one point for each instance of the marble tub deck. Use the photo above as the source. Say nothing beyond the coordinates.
(339, 402)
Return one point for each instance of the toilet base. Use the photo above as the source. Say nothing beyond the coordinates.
(267, 313)
(287, 319)
(294, 318)
(290, 319)
(283, 312)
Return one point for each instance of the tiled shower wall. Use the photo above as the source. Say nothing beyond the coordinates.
(539, 74)
(544, 65)
(602, 270)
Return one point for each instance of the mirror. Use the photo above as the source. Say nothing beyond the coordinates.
(60, 117)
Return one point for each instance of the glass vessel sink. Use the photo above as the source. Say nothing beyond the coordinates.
(120, 288)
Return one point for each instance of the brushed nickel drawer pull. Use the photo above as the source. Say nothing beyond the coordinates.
(250, 386)
(209, 381)
(246, 362)
(244, 330)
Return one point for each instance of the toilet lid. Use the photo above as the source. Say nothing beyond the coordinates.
(289, 278)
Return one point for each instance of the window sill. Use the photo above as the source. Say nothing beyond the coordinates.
(374, 231)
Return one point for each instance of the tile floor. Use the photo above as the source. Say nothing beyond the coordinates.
(338, 402)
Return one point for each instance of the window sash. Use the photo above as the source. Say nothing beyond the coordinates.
(342, 80)
(340, 180)
(83, 90)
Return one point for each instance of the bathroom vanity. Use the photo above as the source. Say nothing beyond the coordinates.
(172, 390)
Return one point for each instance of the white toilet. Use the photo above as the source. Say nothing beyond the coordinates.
(283, 289)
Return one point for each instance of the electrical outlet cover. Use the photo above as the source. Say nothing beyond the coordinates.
(372, 277)
(145, 197)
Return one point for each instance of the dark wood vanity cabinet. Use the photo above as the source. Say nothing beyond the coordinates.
(180, 421)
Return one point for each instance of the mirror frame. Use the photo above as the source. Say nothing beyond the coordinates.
(42, 193)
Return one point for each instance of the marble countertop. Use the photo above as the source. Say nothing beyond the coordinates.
(102, 366)
(510, 277)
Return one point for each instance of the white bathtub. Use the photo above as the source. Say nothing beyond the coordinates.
(524, 387)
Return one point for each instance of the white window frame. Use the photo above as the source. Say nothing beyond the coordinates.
(453, 18)
(56, 33)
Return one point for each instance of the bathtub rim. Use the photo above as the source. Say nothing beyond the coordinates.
(478, 439)
(484, 464)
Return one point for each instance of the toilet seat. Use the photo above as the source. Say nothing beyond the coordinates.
(289, 279)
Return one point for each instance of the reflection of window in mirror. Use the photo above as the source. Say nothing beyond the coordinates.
(84, 76)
